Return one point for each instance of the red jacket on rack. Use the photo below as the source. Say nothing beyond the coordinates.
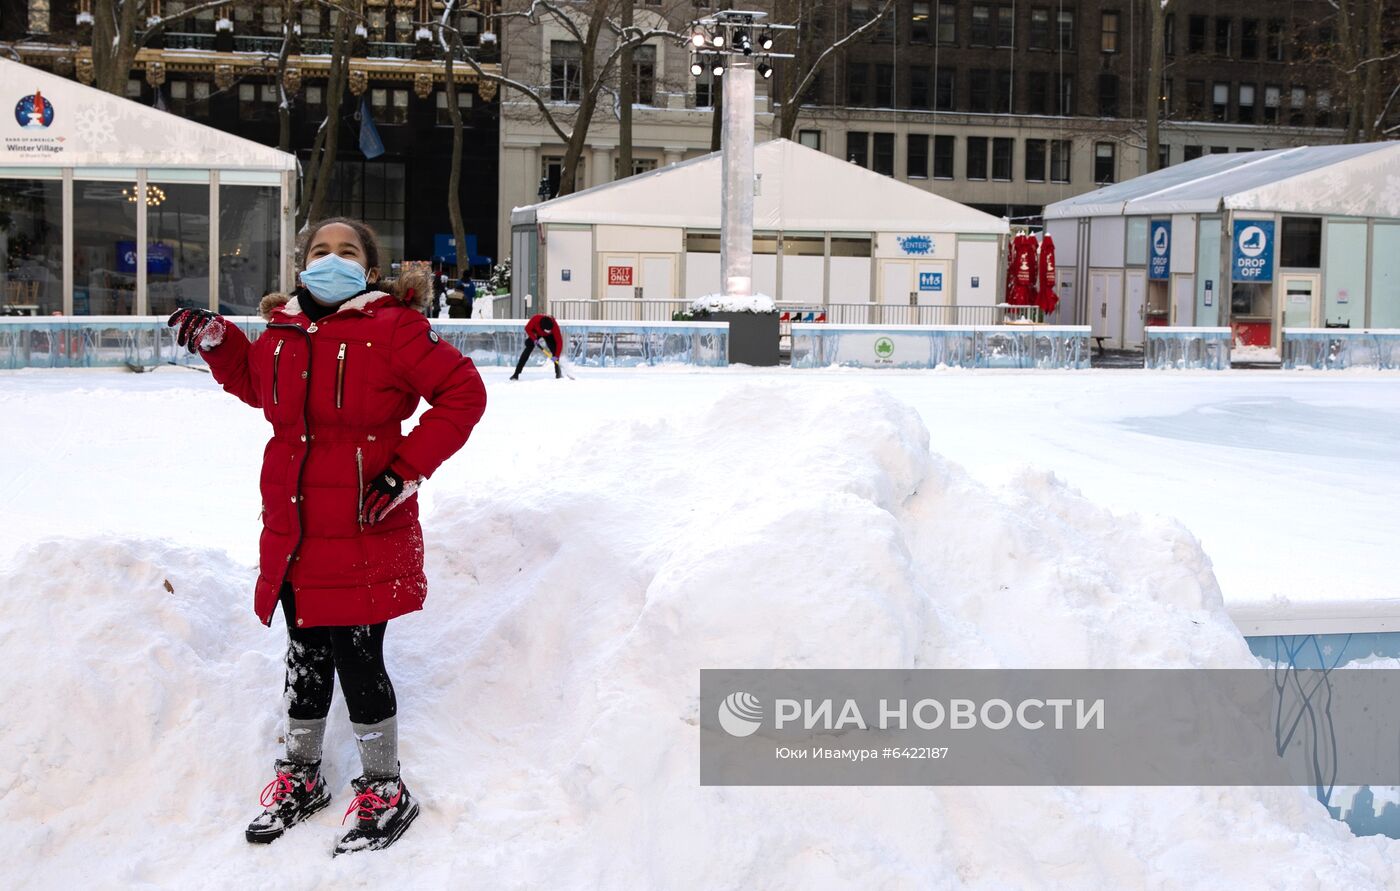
(336, 392)
(534, 329)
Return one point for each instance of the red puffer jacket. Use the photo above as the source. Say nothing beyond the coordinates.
(336, 392)
(534, 329)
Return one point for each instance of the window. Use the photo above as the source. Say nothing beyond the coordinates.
(1165, 97)
(1222, 37)
(858, 84)
(1249, 39)
(705, 90)
(1196, 34)
(1192, 152)
(1108, 32)
(464, 104)
(943, 147)
(919, 87)
(979, 89)
(859, 13)
(133, 88)
(639, 165)
(1037, 93)
(1169, 33)
(1064, 28)
(310, 21)
(1006, 26)
(1040, 28)
(1001, 97)
(1059, 161)
(1195, 99)
(389, 106)
(1297, 105)
(1164, 156)
(883, 154)
(1035, 160)
(916, 162)
(919, 25)
(944, 89)
(1220, 102)
(1246, 113)
(1273, 98)
(1105, 162)
(565, 73)
(1066, 94)
(249, 108)
(858, 148)
(1322, 117)
(884, 86)
(1220, 150)
(272, 19)
(644, 74)
(1300, 243)
(977, 157)
(1002, 150)
(1108, 95)
(948, 24)
(981, 26)
(1273, 50)
(812, 139)
(315, 95)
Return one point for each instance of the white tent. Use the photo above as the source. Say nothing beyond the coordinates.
(111, 207)
(826, 232)
(798, 189)
(1361, 180)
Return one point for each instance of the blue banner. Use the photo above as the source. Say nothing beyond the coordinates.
(160, 257)
(1159, 253)
(370, 143)
(1252, 251)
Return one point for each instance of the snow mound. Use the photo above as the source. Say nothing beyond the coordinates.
(549, 692)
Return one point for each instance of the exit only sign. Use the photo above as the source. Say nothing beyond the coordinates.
(619, 275)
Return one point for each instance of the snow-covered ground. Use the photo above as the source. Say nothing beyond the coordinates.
(600, 541)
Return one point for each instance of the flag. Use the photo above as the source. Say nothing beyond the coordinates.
(370, 143)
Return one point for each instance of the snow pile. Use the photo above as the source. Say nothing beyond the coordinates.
(724, 303)
(549, 693)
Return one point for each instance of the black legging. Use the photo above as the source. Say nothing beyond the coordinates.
(316, 655)
(530, 348)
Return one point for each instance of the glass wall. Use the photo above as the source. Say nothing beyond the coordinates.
(104, 247)
(249, 247)
(1385, 276)
(31, 246)
(177, 246)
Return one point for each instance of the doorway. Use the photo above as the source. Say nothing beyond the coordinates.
(1302, 294)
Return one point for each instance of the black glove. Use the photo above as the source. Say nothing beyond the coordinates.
(199, 329)
(384, 493)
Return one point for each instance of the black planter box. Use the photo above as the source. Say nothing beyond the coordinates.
(753, 336)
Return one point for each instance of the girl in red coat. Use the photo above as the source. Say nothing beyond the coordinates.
(342, 364)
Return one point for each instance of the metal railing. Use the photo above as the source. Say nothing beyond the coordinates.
(903, 314)
(616, 310)
(320, 46)
(247, 43)
(186, 41)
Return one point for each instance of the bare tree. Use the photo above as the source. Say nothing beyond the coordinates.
(1363, 59)
(568, 107)
(816, 45)
(122, 27)
(627, 94)
(321, 165)
(1157, 57)
(451, 41)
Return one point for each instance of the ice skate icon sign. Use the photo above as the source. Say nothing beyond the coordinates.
(1159, 242)
(1252, 251)
(1252, 241)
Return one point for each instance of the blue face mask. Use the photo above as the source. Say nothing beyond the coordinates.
(332, 279)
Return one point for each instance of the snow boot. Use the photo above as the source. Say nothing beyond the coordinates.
(515, 377)
(296, 793)
(558, 372)
(383, 808)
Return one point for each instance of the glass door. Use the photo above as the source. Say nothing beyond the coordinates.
(1300, 300)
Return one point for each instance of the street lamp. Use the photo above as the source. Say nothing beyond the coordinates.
(732, 54)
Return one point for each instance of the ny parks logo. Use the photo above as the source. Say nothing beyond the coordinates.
(884, 347)
(741, 714)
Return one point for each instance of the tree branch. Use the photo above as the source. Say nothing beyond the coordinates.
(806, 81)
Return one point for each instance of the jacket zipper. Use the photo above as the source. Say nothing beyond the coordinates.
(360, 489)
(301, 468)
(276, 357)
(339, 375)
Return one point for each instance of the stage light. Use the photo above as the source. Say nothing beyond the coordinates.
(718, 69)
(696, 68)
(718, 40)
(765, 71)
(698, 39)
(765, 40)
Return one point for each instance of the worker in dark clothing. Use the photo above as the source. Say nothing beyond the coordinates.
(544, 332)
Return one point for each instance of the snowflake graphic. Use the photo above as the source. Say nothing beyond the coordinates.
(95, 125)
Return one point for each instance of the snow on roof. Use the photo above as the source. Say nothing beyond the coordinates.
(58, 122)
(799, 189)
(1351, 180)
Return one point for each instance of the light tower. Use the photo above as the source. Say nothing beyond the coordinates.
(734, 45)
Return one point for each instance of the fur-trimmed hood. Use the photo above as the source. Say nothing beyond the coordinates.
(414, 288)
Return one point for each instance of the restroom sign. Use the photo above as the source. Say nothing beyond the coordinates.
(620, 275)
(930, 281)
(1252, 251)
(1159, 260)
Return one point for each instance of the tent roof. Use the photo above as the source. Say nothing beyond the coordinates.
(1350, 180)
(91, 128)
(800, 189)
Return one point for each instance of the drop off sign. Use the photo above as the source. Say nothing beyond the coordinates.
(1252, 251)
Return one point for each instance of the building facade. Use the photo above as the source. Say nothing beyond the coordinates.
(220, 67)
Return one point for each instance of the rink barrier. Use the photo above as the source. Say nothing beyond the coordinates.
(1187, 348)
(146, 342)
(1335, 349)
(931, 346)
